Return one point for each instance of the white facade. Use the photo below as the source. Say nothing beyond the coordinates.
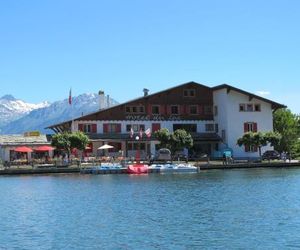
(231, 119)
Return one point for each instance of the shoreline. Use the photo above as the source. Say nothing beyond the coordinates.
(24, 170)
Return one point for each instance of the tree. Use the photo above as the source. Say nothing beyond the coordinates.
(62, 141)
(288, 125)
(180, 139)
(174, 141)
(164, 136)
(259, 139)
(78, 140)
(66, 141)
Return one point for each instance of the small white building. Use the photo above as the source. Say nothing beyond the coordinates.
(21, 147)
(215, 117)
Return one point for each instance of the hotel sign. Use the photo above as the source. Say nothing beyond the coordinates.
(153, 118)
(32, 133)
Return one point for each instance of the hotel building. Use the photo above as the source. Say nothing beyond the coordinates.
(215, 117)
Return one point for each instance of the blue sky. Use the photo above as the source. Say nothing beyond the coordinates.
(46, 47)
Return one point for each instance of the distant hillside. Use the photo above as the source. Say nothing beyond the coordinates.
(56, 112)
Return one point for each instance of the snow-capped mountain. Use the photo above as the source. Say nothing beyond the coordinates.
(59, 111)
(12, 109)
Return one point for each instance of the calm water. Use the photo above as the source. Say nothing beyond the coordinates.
(215, 209)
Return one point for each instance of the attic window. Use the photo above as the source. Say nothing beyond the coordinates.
(189, 93)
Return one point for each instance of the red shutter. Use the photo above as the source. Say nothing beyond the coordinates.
(94, 128)
(200, 109)
(247, 148)
(149, 107)
(80, 127)
(255, 127)
(118, 128)
(168, 109)
(155, 127)
(162, 109)
(182, 109)
(246, 128)
(255, 149)
(105, 128)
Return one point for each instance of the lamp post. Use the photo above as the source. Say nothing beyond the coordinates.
(137, 154)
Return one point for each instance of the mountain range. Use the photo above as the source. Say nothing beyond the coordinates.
(18, 116)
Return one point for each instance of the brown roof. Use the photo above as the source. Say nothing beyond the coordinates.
(275, 105)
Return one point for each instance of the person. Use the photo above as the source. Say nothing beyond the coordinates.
(224, 159)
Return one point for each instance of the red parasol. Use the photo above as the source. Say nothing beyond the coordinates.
(23, 149)
(44, 148)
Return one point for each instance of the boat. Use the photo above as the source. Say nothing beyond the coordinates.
(175, 168)
(137, 168)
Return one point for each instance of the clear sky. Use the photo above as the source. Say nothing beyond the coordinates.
(121, 46)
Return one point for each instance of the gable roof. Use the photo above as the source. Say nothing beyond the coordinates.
(275, 105)
(128, 102)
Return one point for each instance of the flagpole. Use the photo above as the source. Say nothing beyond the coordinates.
(72, 111)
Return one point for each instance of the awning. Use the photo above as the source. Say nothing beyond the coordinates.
(44, 148)
(23, 149)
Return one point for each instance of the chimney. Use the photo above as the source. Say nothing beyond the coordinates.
(108, 101)
(146, 91)
(101, 99)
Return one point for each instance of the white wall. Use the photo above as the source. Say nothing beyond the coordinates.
(236, 120)
(220, 100)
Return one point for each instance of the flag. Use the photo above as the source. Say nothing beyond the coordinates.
(131, 132)
(141, 133)
(148, 132)
(70, 97)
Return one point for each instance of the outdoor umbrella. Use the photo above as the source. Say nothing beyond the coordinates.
(23, 149)
(106, 146)
(44, 148)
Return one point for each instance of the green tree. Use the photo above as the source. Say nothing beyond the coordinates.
(164, 137)
(180, 139)
(78, 140)
(259, 139)
(174, 141)
(66, 141)
(62, 141)
(288, 125)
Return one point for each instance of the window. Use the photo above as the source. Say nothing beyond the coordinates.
(136, 127)
(242, 107)
(249, 107)
(111, 128)
(207, 110)
(87, 128)
(189, 93)
(155, 110)
(191, 128)
(216, 110)
(250, 148)
(209, 127)
(135, 109)
(250, 127)
(174, 110)
(142, 109)
(193, 110)
(217, 128)
(257, 108)
(223, 135)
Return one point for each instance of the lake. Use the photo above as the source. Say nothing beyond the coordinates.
(229, 209)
